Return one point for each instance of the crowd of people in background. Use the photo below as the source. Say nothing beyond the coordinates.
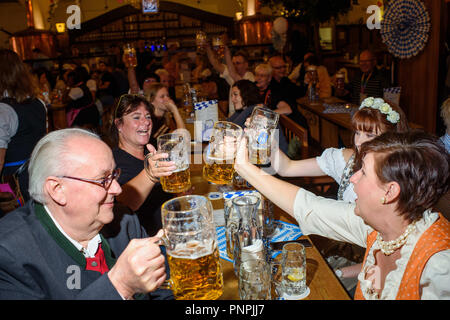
(280, 76)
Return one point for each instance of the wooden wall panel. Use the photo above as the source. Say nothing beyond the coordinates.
(418, 76)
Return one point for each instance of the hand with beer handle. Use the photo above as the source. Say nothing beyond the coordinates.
(140, 268)
(242, 158)
(154, 167)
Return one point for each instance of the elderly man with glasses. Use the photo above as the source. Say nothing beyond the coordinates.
(71, 241)
(370, 81)
(277, 91)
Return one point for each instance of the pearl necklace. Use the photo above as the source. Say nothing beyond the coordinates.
(388, 247)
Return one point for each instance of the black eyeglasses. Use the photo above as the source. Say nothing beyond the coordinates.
(104, 183)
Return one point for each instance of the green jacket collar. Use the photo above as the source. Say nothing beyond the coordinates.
(65, 244)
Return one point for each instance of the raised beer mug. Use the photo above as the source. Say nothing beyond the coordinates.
(200, 41)
(130, 55)
(218, 46)
(176, 145)
(192, 250)
(221, 152)
(263, 121)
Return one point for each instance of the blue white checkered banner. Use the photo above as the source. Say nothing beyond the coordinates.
(204, 104)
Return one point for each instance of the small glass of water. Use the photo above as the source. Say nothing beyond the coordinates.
(293, 264)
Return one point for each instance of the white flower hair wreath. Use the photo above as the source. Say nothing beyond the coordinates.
(384, 107)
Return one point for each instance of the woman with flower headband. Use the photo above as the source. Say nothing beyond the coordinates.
(407, 244)
(373, 118)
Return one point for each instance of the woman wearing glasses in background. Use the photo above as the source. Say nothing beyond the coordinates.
(131, 131)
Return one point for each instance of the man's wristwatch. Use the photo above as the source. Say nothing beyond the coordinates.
(338, 273)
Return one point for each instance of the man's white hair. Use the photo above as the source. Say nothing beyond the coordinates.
(49, 158)
(161, 72)
(264, 68)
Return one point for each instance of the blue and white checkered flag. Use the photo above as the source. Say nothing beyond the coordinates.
(204, 104)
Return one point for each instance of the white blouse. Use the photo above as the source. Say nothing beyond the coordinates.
(317, 215)
(332, 163)
(9, 122)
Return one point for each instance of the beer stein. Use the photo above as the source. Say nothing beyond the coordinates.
(231, 226)
(130, 55)
(218, 46)
(254, 280)
(176, 145)
(221, 152)
(200, 41)
(263, 121)
(313, 93)
(192, 250)
(340, 84)
(248, 239)
(340, 80)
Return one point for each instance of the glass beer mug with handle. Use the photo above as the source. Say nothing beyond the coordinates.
(255, 280)
(130, 56)
(176, 146)
(218, 45)
(263, 121)
(200, 41)
(221, 152)
(192, 250)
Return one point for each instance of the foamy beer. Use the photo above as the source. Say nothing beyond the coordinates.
(200, 41)
(218, 46)
(176, 145)
(221, 152)
(192, 250)
(130, 55)
(263, 121)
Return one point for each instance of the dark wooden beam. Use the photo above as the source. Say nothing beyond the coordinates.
(164, 6)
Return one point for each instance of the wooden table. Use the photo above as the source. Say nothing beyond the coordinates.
(320, 278)
(327, 127)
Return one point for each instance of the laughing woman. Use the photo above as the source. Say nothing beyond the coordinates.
(141, 192)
